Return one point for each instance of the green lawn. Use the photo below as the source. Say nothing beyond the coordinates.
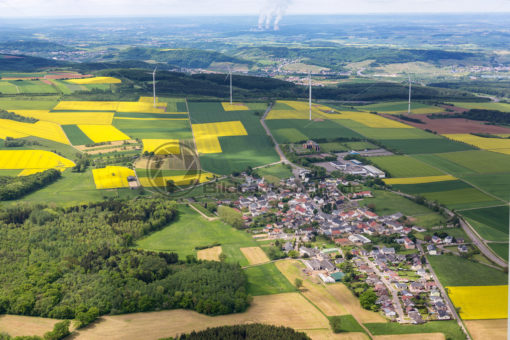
(387, 203)
(76, 135)
(28, 103)
(174, 104)
(345, 323)
(421, 188)
(33, 86)
(7, 88)
(154, 129)
(429, 220)
(491, 223)
(501, 249)
(462, 198)
(151, 115)
(456, 271)
(450, 329)
(334, 147)
(9, 173)
(275, 173)
(72, 188)
(484, 106)
(360, 146)
(425, 146)
(190, 230)
(399, 107)
(480, 161)
(405, 166)
(267, 279)
(297, 130)
(496, 184)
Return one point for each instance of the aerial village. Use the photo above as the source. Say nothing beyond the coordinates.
(407, 290)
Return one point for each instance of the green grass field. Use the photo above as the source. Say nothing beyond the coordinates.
(387, 203)
(334, 147)
(28, 103)
(174, 104)
(76, 136)
(382, 134)
(430, 220)
(421, 146)
(496, 184)
(190, 230)
(151, 115)
(455, 271)
(400, 107)
(484, 106)
(450, 329)
(405, 166)
(34, 87)
(360, 146)
(7, 88)
(267, 279)
(347, 324)
(71, 189)
(491, 223)
(239, 152)
(480, 161)
(154, 129)
(414, 189)
(9, 173)
(275, 173)
(501, 249)
(467, 198)
(64, 87)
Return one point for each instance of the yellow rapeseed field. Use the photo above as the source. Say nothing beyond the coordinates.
(139, 106)
(206, 135)
(32, 159)
(95, 80)
(162, 146)
(103, 133)
(68, 118)
(234, 107)
(301, 111)
(178, 179)
(42, 129)
(112, 177)
(480, 302)
(492, 144)
(419, 180)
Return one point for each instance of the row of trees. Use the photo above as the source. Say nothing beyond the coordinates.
(491, 116)
(240, 332)
(12, 188)
(13, 116)
(77, 263)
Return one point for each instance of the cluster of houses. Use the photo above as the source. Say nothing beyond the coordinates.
(399, 290)
(300, 215)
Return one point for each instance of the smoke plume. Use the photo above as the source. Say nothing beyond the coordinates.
(272, 13)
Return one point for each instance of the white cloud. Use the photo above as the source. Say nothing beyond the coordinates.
(44, 8)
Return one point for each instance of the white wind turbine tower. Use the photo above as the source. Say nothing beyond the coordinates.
(230, 75)
(154, 85)
(409, 106)
(310, 92)
(230, 72)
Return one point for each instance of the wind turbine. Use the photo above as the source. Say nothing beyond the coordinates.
(154, 85)
(409, 106)
(230, 74)
(310, 92)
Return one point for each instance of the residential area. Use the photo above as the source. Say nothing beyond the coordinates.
(326, 225)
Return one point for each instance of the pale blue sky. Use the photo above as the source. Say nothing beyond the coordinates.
(44, 8)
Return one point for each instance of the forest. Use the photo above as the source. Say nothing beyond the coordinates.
(78, 262)
(490, 116)
(12, 188)
(249, 87)
(244, 332)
